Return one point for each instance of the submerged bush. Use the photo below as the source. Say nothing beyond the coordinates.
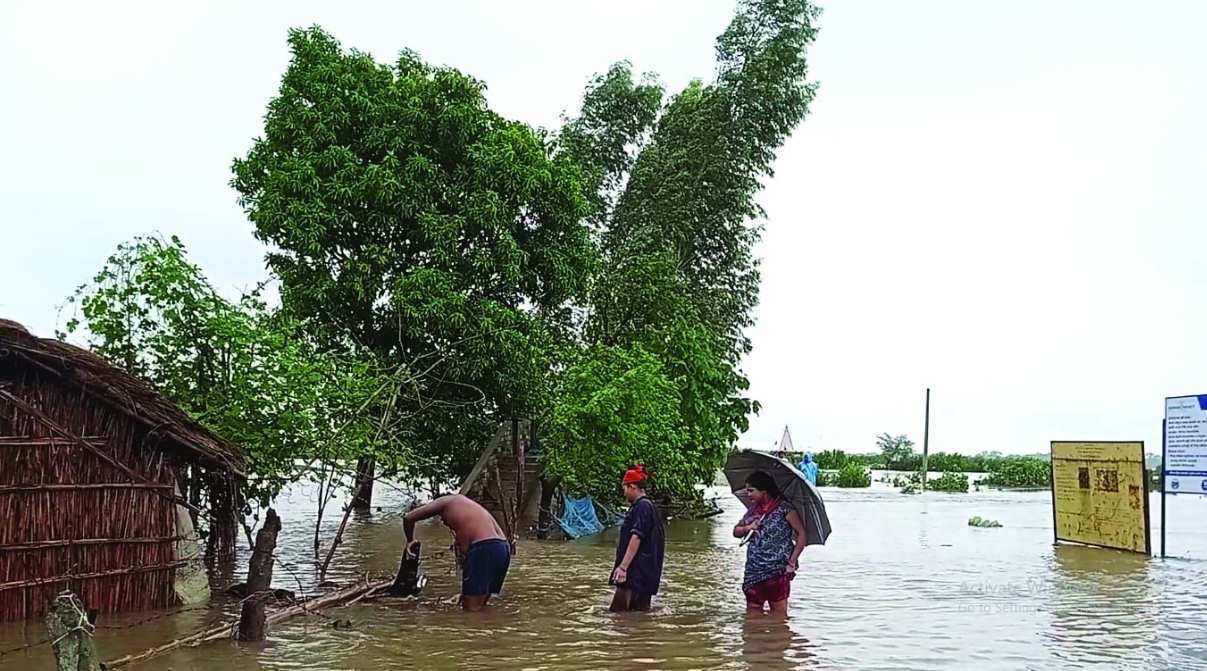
(948, 482)
(854, 475)
(825, 478)
(1020, 473)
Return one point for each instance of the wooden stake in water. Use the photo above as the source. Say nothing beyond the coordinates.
(71, 635)
(926, 443)
(259, 580)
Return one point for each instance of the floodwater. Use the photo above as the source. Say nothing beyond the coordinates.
(904, 583)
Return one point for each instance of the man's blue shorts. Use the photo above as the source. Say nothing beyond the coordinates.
(485, 567)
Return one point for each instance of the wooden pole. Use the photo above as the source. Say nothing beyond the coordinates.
(339, 536)
(517, 448)
(71, 635)
(1162, 489)
(344, 597)
(259, 579)
(926, 443)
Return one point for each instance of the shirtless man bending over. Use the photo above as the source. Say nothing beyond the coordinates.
(485, 550)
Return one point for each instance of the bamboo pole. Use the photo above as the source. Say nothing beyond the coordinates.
(5, 489)
(35, 441)
(88, 576)
(487, 454)
(87, 541)
(338, 597)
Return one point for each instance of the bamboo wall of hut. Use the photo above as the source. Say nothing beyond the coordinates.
(89, 463)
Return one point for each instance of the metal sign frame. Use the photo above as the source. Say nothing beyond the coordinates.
(1166, 474)
(1143, 476)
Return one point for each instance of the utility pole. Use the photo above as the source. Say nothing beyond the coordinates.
(926, 442)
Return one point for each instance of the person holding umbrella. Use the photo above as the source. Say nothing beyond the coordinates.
(637, 572)
(776, 536)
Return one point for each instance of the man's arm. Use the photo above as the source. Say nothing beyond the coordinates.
(422, 513)
(634, 543)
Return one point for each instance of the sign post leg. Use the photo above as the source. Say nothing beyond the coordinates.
(1162, 489)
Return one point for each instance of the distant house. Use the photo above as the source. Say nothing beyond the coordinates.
(92, 463)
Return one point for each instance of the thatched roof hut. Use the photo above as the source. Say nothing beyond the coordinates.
(93, 465)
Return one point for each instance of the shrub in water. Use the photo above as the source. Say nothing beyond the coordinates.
(948, 482)
(854, 475)
(1020, 472)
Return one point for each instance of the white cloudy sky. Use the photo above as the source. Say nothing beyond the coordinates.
(995, 200)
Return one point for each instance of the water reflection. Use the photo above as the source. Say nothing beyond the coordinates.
(768, 642)
(1101, 603)
(904, 584)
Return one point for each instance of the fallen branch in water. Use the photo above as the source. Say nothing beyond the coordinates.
(343, 597)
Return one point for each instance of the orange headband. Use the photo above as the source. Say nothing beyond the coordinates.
(636, 474)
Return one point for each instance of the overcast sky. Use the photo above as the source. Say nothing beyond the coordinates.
(994, 200)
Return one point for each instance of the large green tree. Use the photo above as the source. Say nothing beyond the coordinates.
(405, 216)
(674, 189)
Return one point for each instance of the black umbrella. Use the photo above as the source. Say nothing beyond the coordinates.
(798, 491)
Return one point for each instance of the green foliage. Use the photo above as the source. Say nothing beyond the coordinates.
(948, 482)
(948, 461)
(983, 523)
(406, 217)
(617, 407)
(854, 475)
(832, 459)
(1019, 472)
(672, 192)
(237, 368)
(828, 478)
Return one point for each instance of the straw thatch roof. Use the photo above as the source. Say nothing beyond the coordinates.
(105, 383)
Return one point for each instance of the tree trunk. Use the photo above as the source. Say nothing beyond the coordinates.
(71, 635)
(364, 484)
(259, 579)
(545, 517)
(409, 581)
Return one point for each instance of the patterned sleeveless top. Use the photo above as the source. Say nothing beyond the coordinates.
(768, 553)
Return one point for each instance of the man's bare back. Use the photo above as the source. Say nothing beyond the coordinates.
(486, 551)
(469, 521)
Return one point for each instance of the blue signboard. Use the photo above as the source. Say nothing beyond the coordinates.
(1184, 445)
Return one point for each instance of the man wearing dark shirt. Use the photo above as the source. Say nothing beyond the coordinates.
(637, 572)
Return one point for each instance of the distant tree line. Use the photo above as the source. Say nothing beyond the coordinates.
(897, 453)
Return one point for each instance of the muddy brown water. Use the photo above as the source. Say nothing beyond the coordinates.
(903, 584)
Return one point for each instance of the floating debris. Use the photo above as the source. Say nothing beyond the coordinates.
(983, 524)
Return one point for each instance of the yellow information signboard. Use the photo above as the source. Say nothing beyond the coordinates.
(1100, 494)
